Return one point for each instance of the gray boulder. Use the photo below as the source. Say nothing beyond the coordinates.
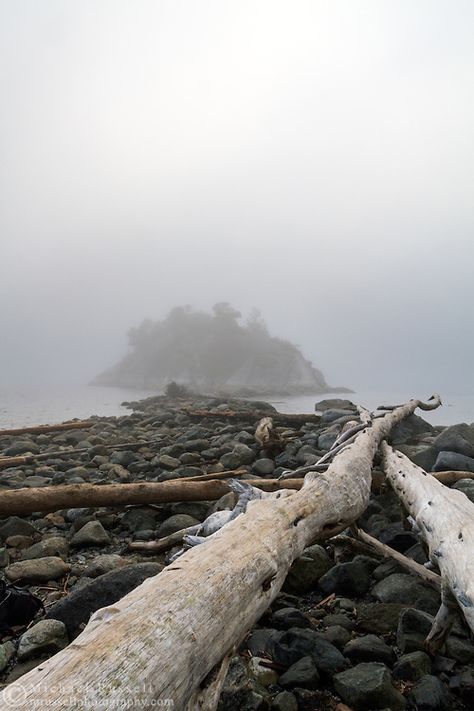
(447, 461)
(92, 534)
(302, 673)
(430, 694)
(451, 440)
(306, 570)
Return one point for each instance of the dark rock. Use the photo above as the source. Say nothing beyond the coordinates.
(327, 438)
(467, 488)
(54, 546)
(139, 519)
(334, 414)
(397, 537)
(176, 523)
(404, 589)
(451, 440)
(168, 463)
(294, 644)
(102, 564)
(430, 694)
(409, 429)
(92, 534)
(15, 526)
(284, 702)
(420, 454)
(337, 635)
(21, 447)
(123, 457)
(380, 618)
(306, 570)
(75, 609)
(302, 673)
(263, 467)
(368, 686)
(413, 627)
(288, 617)
(261, 641)
(335, 403)
(237, 691)
(369, 648)
(447, 461)
(339, 619)
(460, 649)
(351, 579)
(466, 687)
(412, 667)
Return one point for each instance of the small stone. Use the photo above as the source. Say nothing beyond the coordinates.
(460, 649)
(294, 644)
(19, 542)
(38, 570)
(404, 589)
(413, 628)
(123, 457)
(368, 686)
(45, 636)
(15, 526)
(351, 579)
(337, 635)
(379, 618)
(302, 673)
(92, 534)
(288, 617)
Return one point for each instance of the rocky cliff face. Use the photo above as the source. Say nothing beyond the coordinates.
(213, 353)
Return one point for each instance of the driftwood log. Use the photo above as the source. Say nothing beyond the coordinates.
(445, 518)
(40, 429)
(167, 639)
(21, 502)
(280, 418)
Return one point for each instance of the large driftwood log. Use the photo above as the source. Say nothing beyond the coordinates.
(445, 518)
(164, 639)
(21, 502)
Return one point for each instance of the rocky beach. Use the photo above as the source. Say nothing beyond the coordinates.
(347, 629)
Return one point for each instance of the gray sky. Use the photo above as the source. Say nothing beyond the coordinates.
(313, 159)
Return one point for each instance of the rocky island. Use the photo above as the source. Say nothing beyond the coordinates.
(214, 353)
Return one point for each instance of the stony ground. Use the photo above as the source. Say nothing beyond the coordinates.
(347, 629)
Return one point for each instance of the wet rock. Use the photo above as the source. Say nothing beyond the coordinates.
(430, 694)
(45, 636)
(368, 686)
(447, 461)
(306, 571)
(37, 570)
(92, 534)
(54, 546)
(76, 608)
(294, 644)
(369, 648)
(351, 579)
(411, 667)
(302, 673)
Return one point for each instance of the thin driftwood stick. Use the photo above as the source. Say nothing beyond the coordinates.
(412, 566)
(162, 639)
(40, 429)
(279, 417)
(445, 518)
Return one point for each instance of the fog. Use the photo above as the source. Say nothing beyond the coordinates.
(312, 159)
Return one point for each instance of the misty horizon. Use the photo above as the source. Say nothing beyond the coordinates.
(312, 160)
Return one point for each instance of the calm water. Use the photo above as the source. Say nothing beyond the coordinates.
(29, 406)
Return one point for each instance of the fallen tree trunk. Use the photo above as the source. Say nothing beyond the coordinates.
(40, 429)
(21, 502)
(445, 518)
(163, 641)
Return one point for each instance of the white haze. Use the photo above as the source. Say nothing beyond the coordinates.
(313, 159)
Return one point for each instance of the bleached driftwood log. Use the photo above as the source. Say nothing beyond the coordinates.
(165, 639)
(445, 518)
